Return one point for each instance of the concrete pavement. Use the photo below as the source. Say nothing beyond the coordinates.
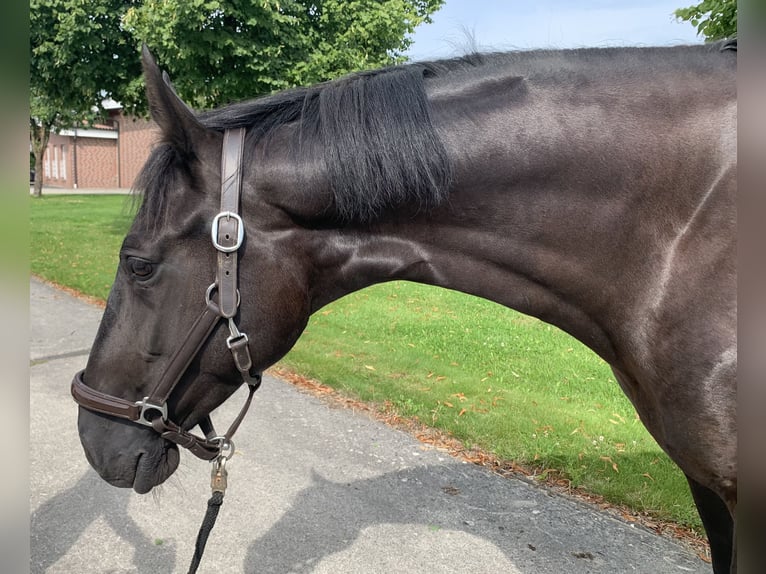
(312, 489)
(47, 190)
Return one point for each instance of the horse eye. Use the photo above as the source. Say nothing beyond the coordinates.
(140, 267)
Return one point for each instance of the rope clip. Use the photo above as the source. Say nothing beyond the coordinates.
(218, 477)
(219, 474)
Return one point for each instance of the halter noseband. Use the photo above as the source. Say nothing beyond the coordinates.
(227, 234)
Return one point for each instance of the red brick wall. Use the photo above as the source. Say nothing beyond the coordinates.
(92, 164)
(101, 163)
(96, 163)
(137, 136)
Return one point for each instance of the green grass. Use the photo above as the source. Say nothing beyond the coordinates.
(489, 376)
(496, 379)
(75, 239)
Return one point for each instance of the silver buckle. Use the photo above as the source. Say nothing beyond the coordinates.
(240, 231)
(234, 333)
(147, 406)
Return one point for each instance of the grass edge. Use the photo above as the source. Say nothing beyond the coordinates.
(444, 442)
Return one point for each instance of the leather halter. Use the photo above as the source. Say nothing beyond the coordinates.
(227, 235)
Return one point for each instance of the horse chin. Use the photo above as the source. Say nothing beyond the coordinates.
(152, 471)
(124, 454)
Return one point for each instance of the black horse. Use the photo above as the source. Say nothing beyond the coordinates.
(594, 189)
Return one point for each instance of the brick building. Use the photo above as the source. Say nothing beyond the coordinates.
(108, 155)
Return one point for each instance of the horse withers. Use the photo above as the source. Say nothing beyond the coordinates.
(593, 189)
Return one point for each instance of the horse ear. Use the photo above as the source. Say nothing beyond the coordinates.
(178, 123)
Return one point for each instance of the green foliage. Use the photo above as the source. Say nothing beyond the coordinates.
(714, 19)
(219, 51)
(79, 54)
(216, 51)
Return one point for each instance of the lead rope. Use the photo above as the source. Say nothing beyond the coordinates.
(219, 474)
(218, 484)
(213, 506)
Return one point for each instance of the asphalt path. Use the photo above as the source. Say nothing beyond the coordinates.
(312, 489)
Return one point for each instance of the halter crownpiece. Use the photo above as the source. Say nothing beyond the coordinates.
(228, 233)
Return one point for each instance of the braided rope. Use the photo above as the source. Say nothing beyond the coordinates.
(213, 506)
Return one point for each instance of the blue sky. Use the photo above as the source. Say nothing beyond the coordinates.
(528, 24)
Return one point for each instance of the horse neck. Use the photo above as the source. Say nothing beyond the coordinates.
(556, 207)
(493, 251)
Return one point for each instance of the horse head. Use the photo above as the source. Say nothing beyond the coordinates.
(167, 276)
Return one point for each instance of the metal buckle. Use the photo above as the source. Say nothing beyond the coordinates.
(235, 334)
(240, 232)
(235, 339)
(147, 406)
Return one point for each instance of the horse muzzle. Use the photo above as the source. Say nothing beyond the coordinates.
(124, 454)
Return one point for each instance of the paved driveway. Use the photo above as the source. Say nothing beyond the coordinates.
(312, 489)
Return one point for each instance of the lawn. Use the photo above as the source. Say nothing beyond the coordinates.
(75, 239)
(492, 378)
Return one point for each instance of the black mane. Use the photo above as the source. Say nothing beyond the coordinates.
(372, 130)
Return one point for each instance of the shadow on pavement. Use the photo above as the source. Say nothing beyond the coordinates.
(54, 528)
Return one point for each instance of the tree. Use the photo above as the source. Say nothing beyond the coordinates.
(43, 118)
(80, 54)
(219, 51)
(714, 19)
(216, 51)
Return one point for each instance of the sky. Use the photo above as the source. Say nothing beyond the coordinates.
(528, 24)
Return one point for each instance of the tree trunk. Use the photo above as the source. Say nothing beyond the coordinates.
(40, 134)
